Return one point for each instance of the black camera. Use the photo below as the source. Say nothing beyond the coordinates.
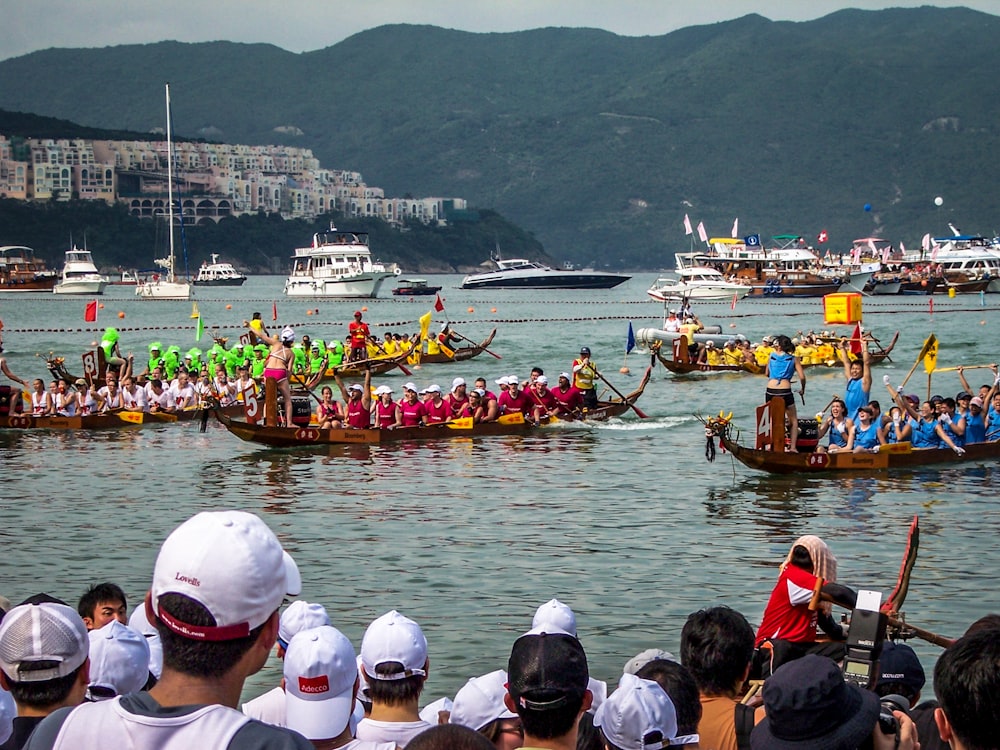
(864, 640)
(887, 723)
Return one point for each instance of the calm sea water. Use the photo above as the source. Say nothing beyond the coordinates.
(626, 521)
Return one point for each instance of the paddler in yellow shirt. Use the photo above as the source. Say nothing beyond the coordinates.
(764, 350)
(712, 354)
(732, 354)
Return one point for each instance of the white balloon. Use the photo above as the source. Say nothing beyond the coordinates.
(939, 201)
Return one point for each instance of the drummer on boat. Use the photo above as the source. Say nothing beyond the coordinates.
(782, 365)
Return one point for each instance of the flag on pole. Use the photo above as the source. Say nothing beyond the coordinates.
(199, 329)
(687, 225)
(822, 236)
(702, 234)
(886, 251)
(934, 251)
(925, 243)
(752, 240)
(735, 297)
(438, 304)
(274, 311)
(856, 343)
(871, 246)
(630, 341)
(736, 228)
(90, 312)
(425, 324)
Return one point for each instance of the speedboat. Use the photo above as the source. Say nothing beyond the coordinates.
(218, 274)
(519, 273)
(414, 288)
(697, 282)
(80, 275)
(338, 264)
(21, 271)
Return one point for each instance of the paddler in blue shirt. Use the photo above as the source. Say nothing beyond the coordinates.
(857, 393)
(782, 365)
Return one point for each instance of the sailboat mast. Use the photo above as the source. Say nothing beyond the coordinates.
(170, 190)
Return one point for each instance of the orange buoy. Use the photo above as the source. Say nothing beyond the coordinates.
(493, 309)
(472, 309)
(732, 325)
(101, 306)
(229, 307)
(309, 312)
(624, 371)
(121, 314)
(364, 309)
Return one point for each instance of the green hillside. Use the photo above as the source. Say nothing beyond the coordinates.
(599, 144)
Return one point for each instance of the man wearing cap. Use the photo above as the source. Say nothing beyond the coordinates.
(514, 400)
(810, 705)
(119, 661)
(547, 687)
(546, 404)
(359, 335)
(479, 705)
(218, 582)
(395, 663)
(300, 615)
(672, 324)
(584, 372)
(436, 408)
(359, 402)
(899, 672)
(457, 399)
(43, 663)
(638, 715)
(569, 398)
(411, 407)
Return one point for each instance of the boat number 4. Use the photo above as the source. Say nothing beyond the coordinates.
(818, 460)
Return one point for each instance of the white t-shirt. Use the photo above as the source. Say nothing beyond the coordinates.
(399, 732)
(269, 707)
(182, 397)
(135, 401)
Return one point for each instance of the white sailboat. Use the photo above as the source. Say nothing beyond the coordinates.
(160, 287)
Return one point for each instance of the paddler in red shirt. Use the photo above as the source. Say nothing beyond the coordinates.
(359, 335)
(514, 399)
(546, 404)
(436, 407)
(457, 399)
(569, 397)
(412, 409)
(359, 402)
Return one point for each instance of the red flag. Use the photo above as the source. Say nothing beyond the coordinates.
(438, 304)
(856, 342)
(822, 236)
(274, 311)
(90, 312)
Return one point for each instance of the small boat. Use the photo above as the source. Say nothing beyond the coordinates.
(80, 275)
(218, 274)
(414, 288)
(460, 354)
(126, 278)
(887, 458)
(21, 271)
(157, 286)
(337, 265)
(108, 421)
(697, 282)
(519, 273)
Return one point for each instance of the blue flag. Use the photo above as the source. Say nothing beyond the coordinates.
(630, 344)
(752, 240)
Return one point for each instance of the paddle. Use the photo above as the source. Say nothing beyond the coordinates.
(963, 367)
(636, 409)
(460, 336)
(462, 423)
(514, 418)
(928, 343)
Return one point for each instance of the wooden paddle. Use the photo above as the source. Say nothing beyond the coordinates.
(464, 338)
(633, 407)
(963, 367)
(928, 343)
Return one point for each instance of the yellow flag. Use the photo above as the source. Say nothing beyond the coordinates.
(425, 324)
(930, 356)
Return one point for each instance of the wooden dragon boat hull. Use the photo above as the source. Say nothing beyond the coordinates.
(461, 354)
(289, 437)
(113, 420)
(605, 410)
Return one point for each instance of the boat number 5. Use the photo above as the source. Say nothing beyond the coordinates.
(251, 405)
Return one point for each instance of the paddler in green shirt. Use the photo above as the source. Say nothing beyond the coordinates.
(171, 361)
(317, 362)
(258, 361)
(335, 353)
(109, 343)
(155, 357)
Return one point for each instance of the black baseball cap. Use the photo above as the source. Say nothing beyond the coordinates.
(547, 671)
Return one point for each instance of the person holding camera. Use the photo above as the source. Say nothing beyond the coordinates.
(810, 705)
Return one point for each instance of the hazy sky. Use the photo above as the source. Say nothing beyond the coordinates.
(301, 25)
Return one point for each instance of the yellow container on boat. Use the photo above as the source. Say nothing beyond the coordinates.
(842, 307)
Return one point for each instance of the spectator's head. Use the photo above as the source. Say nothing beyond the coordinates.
(479, 705)
(637, 662)
(450, 737)
(900, 672)
(321, 678)
(140, 623)
(43, 656)
(555, 615)
(716, 646)
(119, 661)
(394, 659)
(637, 716)
(809, 705)
(298, 616)
(218, 582)
(967, 683)
(102, 603)
(678, 683)
(547, 683)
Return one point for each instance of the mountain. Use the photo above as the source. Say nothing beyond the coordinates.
(599, 144)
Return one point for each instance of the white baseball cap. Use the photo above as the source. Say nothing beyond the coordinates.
(435, 388)
(119, 659)
(542, 379)
(565, 375)
(639, 715)
(138, 622)
(356, 387)
(298, 616)
(232, 564)
(431, 713)
(480, 701)
(457, 382)
(394, 638)
(554, 614)
(320, 673)
(42, 632)
(410, 387)
(287, 334)
(8, 710)
(643, 658)
(502, 380)
(383, 390)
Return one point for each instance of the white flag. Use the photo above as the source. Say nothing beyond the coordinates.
(687, 225)
(925, 243)
(702, 234)
(736, 228)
